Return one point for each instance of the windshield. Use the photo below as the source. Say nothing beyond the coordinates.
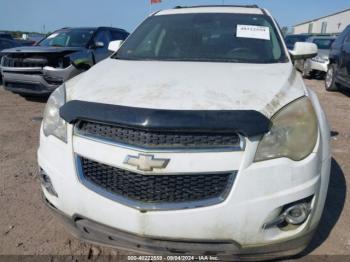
(323, 43)
(205, 37)
(68, 38)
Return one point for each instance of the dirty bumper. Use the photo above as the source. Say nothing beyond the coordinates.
(94, 232)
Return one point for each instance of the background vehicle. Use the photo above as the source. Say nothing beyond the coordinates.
(6, 35)
(317, 66)
(6, 43)
(39, 69)
(338, 73)
(21, 42)
(292, 39)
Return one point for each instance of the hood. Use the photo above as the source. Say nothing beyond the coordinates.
(41, 49)
(189, 85)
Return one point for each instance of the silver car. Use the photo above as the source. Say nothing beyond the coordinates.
(318, 65)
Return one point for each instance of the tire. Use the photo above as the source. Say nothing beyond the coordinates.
(330, 83)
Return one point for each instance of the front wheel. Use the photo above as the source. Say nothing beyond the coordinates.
(330, 84)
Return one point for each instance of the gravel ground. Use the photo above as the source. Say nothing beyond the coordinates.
(27, 228)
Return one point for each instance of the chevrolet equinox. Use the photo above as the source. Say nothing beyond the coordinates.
(197, 136)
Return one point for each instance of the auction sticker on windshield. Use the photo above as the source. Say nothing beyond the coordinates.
(253, 31)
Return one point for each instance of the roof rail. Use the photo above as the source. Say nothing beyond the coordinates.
(111, 27)
(196, 6)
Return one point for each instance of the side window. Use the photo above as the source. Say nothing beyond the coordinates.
(104, 37)
(342, 38)
(5, 45)
(347, 38)
(117, 35)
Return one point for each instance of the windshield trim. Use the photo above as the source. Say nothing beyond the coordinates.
(237, 61)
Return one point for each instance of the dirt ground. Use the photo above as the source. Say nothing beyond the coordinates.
(26, 226)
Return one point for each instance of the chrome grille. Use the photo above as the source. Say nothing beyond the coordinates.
(8, 61)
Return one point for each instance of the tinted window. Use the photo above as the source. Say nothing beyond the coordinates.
(118, 35)
(202, 37)
(291, 40)
(341, 38)
(348, 37)
(323, 43)
(4, 35)
(6, 44)
(68, 38)
(104, 37)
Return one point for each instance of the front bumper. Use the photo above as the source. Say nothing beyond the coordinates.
(259, 190)
(317, 66)
(229, 250)
(35, 81)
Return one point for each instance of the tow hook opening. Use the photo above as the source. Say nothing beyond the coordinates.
(293, 214)
(46, 182)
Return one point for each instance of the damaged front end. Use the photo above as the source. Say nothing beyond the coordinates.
(38, 72)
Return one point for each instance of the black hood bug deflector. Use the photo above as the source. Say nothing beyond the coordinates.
(246, 122)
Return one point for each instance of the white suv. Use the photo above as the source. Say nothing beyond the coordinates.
(197, 136)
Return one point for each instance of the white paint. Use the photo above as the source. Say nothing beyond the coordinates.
(115, 45)
(188, 85)
(303, 49)
(251, 31)
(259, 188)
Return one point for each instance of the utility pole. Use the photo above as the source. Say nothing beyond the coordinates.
(149, 6)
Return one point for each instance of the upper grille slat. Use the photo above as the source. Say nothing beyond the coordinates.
(158, 139)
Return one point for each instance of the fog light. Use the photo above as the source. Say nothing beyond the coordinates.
(293, 214)
(46, 183)
(297, 214)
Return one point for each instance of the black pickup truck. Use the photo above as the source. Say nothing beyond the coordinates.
(40, 69)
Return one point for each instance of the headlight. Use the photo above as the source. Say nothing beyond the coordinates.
(53, 124)
(293, 134)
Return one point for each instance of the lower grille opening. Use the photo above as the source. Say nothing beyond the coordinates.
(183, 190)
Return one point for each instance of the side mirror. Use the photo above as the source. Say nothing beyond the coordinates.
(115, 45)
(303, 50)
(99, 44)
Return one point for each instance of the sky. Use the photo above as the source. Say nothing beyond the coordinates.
(49, 15)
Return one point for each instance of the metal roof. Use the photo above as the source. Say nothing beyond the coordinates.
(316, 19)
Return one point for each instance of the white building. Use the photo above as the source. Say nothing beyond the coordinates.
(330, 24)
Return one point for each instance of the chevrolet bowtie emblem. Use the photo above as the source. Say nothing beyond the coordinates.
(146, 162)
